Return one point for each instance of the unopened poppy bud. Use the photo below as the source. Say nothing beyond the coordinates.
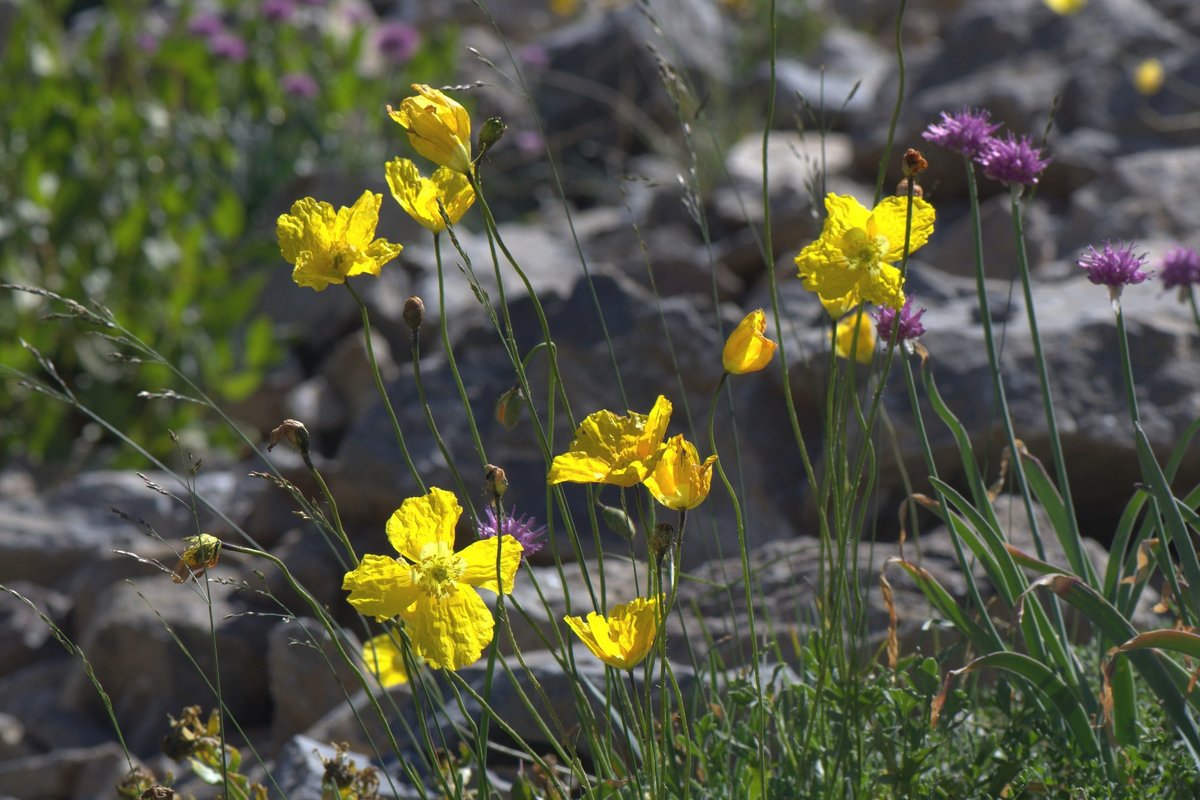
(509, 406)
(661, 539)
(202, 552)
(493, 130)
(495, 481)
(914, 163)
(414, 312)
(292, 430)
(617, 521)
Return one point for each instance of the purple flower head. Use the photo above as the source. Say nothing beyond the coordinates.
(967, 131)
(910, 322)
(397, 41)
(1180, 267)
(524, 529)
(205, 25)
(278, 10)
(1114, 267)
(1013, 160)
(300, 84)
(229, 46)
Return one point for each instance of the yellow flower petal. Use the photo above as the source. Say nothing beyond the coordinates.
(747, 349)
(450, 632)
(380, 587)
(888, 220)
(679, 480)
(480, 558)
(860, 346)
(438, 127)
(327, 247)
(384, 659)
(420, 521)
(1065, 7)
(618, 450)
(419, 195)
(624, 637)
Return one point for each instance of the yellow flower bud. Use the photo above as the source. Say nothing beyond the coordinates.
(679, 481)
(747, 349)
(1148, 78)
(438, 127)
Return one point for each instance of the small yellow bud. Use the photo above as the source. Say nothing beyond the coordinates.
(1148, 77)
(202, 553)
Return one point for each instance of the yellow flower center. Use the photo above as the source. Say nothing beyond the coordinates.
(438, 569)
(863, 251)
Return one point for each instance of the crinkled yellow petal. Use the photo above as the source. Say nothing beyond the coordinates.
(438, 127)
(613, 449)
(656, 428)
(843, 213)
(579, 467)
(825, 270)
(450, 632)
(326, 247)
(315, 270)
(455, 192)
(361, 220)
(888, 220)
(860, 346)
(419, 196)
(480, 559)
(429, 519)
(679, 481)
(380, 587)
(884, 287)
(624, 637)
(747, 349)
(307, 227)
(384, 659)
(381, 251)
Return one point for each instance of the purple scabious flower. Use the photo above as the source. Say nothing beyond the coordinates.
(205, 25)
(1114, 267)
(278, 10)
(524, 529)
(1180, 267)
(1013, 160)
(300, 84)
(228, 46)
(966, 131)
(910, 322)
(397, 41)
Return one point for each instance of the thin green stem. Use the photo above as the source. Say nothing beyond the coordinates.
(444, 328)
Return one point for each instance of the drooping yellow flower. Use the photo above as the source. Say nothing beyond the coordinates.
(612, 449)
(419, 195)
(327, 247)
(1065, 7)
(1149, 77)
(384, 659)
(862, 348)
(624, 637)
(438, 127)
(431, 587)
(852, 260)
(747, 349)
(679, 481)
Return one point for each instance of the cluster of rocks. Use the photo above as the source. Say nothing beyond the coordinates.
(671, 265)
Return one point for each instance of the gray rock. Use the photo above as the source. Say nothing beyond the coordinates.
(66, 774)
(308, 676)
(300, 767)
(952, 249)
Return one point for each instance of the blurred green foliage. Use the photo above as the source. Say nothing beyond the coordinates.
(143, 148)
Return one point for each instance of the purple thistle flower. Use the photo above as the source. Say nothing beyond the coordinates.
(300, 84)
(229, 46)
(397, 41)
(1180, 267)
(910, 322)
(278, 10)
(1013, 160)
(1114, 267)
(966, 131)
(205, 25)
(524, 529)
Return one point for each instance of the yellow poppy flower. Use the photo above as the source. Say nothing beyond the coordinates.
(1065, 7)
(1149, 77)
(679, 481)
(612, 449)
(852, 260)
(847, 346)
(438, 127)
(419, 195)
(384, 659)
(624, 637)
(747, 349)
(327, 247)
(431, 587)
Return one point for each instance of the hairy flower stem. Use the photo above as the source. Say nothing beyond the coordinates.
(387, 402)
(1080, 562)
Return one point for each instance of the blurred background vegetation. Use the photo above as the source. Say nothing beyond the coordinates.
(142, 148)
